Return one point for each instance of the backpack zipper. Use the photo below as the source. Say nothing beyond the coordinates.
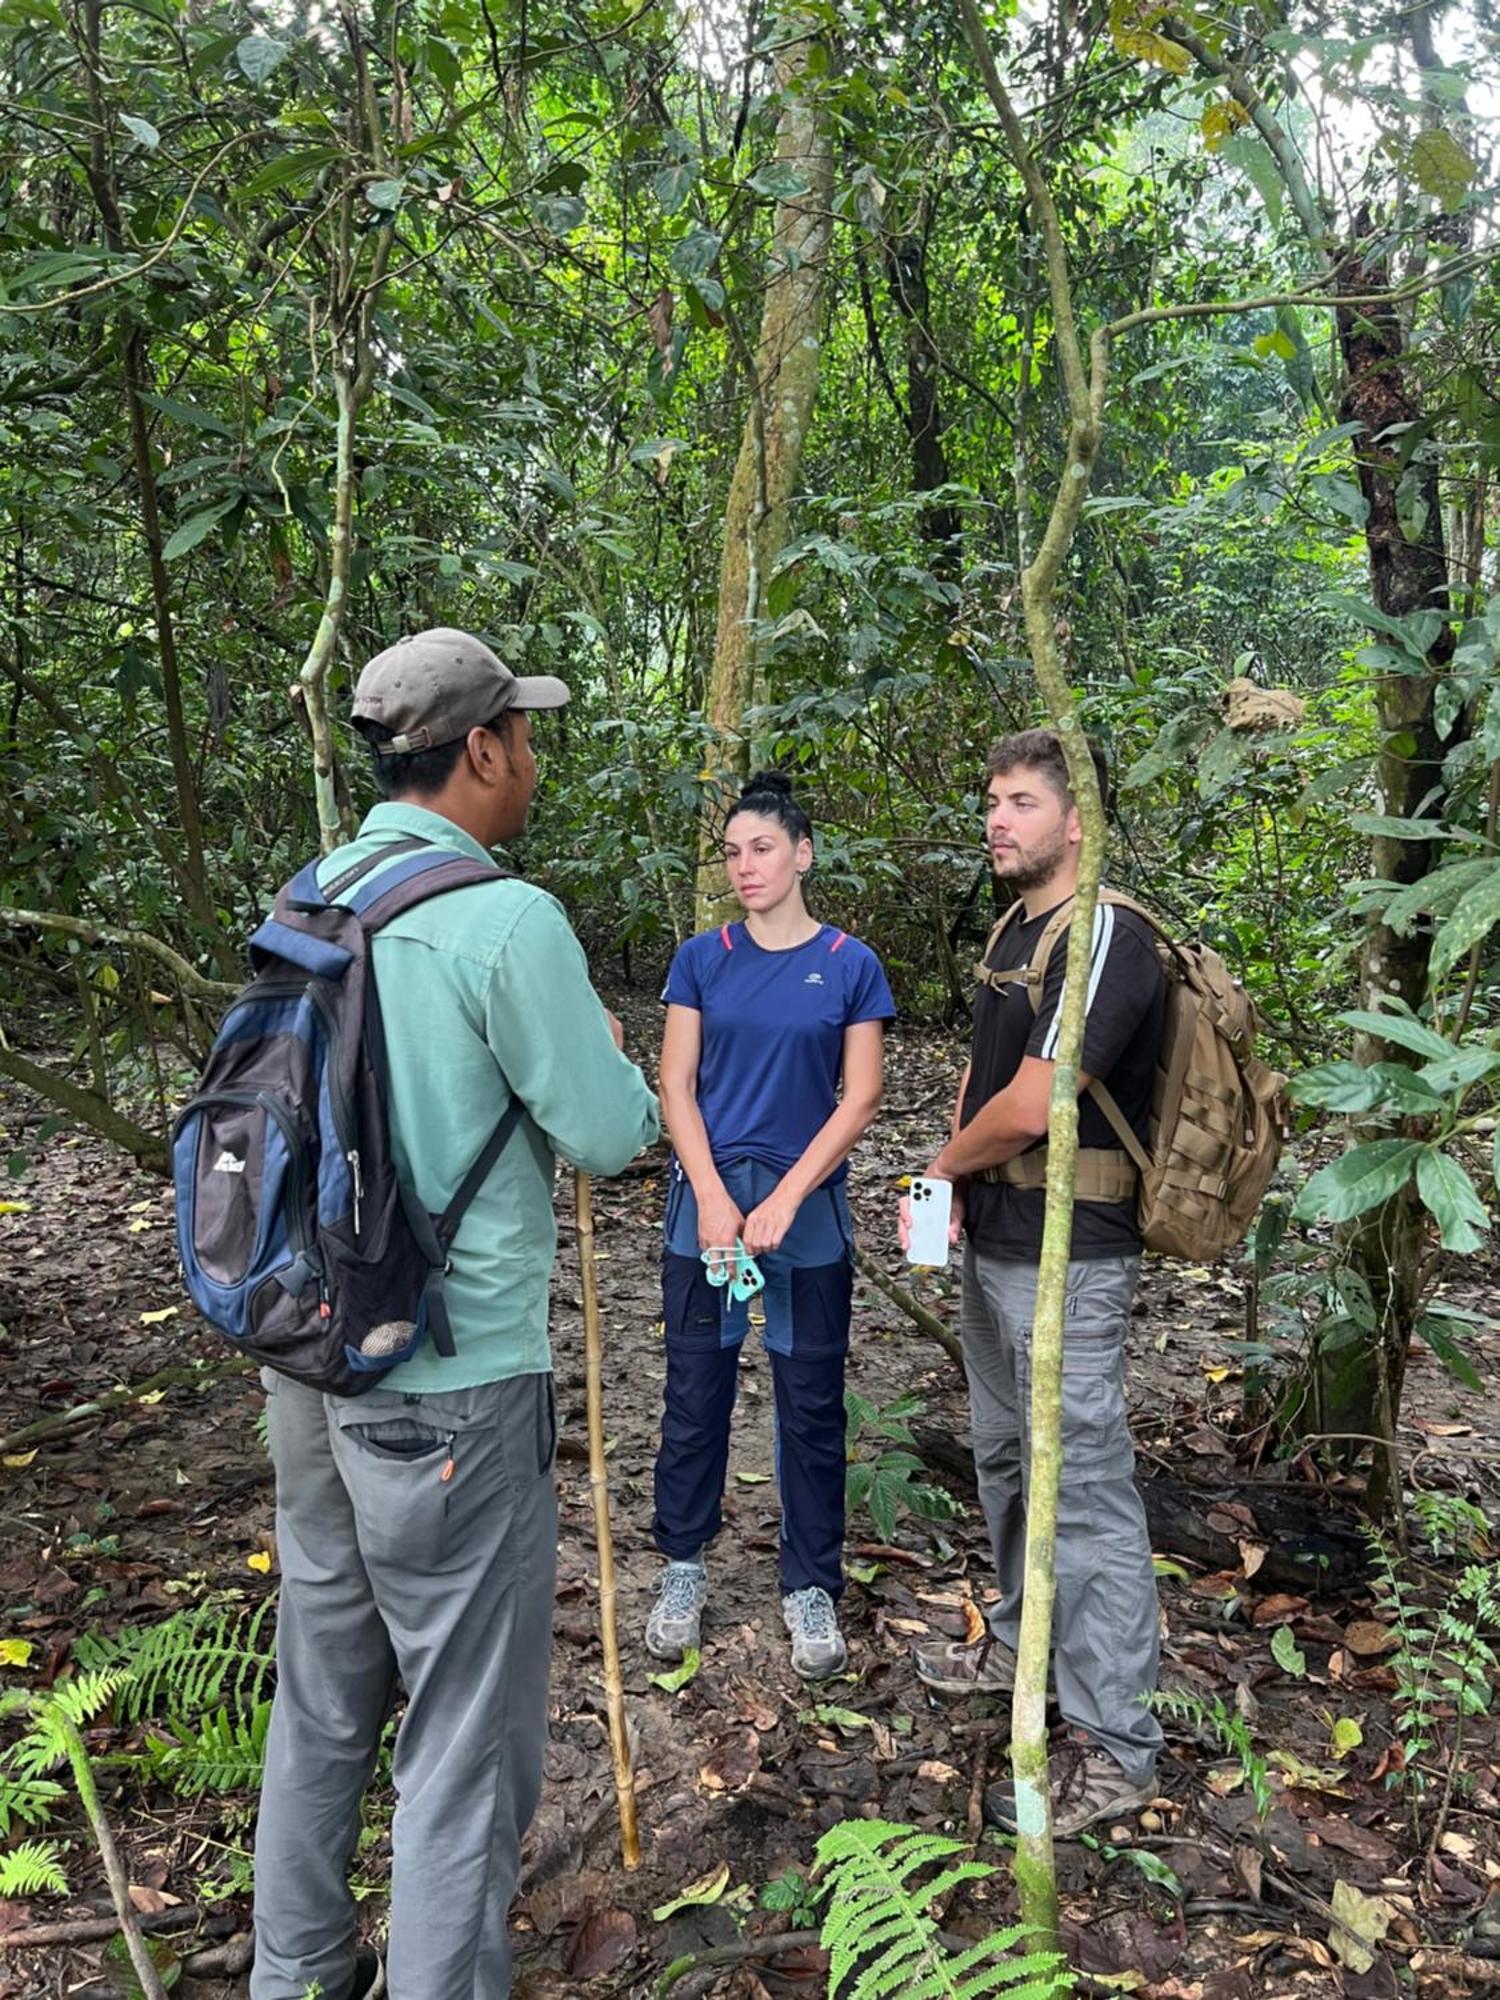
(343, 1110)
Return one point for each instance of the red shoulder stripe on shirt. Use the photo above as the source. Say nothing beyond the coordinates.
(840, 941)
(725, 939)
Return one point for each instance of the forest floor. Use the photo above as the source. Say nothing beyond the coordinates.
(119, 1520)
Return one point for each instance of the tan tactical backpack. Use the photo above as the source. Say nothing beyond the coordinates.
(1217, 1113)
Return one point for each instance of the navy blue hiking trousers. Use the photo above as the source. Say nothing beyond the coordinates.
(807, 1337)
(805, 1307)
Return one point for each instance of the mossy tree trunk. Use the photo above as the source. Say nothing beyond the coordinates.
(783, 380)
(1084, 388)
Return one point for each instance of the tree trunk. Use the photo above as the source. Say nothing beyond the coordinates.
(1036, 1873)
(783, 387)
(135, 370)
(906, 268)
(1359, 1388)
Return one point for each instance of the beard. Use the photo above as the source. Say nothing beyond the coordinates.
(1029, 869)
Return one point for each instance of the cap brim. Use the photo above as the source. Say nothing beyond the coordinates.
(540, 691)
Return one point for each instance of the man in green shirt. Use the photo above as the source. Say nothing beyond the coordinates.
(417, 1525)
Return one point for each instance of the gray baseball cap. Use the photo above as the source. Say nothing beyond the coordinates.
(436, 686)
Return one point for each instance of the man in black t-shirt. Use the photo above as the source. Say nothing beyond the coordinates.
(1105, 1617)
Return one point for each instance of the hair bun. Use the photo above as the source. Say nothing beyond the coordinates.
(775, 782)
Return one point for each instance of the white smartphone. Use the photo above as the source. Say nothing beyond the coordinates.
(931, 1210)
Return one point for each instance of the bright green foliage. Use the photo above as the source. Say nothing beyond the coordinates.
(1225, 1727)
(1444, 1664)
(222, 1752)
(880, 1935)
(33, 1868)
(201, 1659)
(892, 1482)
(45, 1744)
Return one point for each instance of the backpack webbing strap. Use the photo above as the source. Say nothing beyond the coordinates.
(981, 971)
(1103, 1174)
(342, 884)
(435, 1233)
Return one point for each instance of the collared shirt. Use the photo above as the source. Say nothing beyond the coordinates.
(484, 992)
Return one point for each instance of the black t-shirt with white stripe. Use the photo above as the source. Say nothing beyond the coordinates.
(1122, 1035)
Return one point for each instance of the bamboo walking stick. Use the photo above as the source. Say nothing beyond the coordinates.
(593, 1355)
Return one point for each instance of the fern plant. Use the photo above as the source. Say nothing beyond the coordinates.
(222, 1752)
(24, 1801)
(1443, 1658)
(1228, 1728)
(211, 1655)
(33, 1868)
(878, 1930)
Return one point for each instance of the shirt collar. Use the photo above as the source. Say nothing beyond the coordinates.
(401, 817)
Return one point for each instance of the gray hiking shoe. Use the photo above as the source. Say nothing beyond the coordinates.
(1087, 1785)
(677, 1615)
(818, 1647)
(953, 1666)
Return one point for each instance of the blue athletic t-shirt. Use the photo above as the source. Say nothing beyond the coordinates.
(773, 1035)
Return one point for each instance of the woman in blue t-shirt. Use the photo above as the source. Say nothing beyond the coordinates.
(765, 1019)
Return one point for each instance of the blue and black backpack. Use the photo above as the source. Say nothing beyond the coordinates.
(297, 1236)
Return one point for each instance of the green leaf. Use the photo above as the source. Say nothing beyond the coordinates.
(1287, 1654)
(188, 413)
(1346, 1735)
(1401, 1029)
(778, 179)
(1387, 826)
(193, 530)
(141, 130)
(122, 1973)
(1459, 1069)
(1364, 1177)
(674, 184)
(1338, 1086)
(695, 254)
(696, 1895)
(651, 451)
(258, 55)
(1153, 1868)
(1475, 915)
(1451, 1196)
(677, 1679)
(1248, 152)
(289, 167)
(1437, 1331)
(385, 195)
(561, 213)
(1441, 167)
(1267, 344)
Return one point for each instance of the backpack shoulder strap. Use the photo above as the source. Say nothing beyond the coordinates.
(416, 880)
(1035, 974)
(982, 966)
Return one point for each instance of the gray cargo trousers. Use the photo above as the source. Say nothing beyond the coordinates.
(417, 1537)
(1104, 1631)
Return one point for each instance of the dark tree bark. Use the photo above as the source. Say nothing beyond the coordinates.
(1360, 1390)
(906, 271)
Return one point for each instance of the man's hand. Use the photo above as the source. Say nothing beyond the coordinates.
(719, 1223)
(767, 1225)
(616, 1029)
